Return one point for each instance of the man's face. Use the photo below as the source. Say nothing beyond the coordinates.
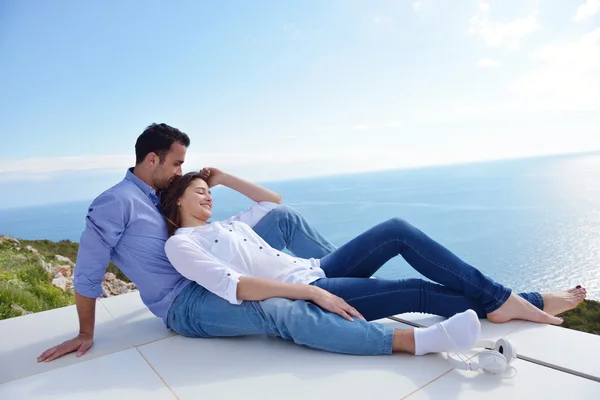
(170, 168)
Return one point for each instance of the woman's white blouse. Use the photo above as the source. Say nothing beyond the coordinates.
(215, 255)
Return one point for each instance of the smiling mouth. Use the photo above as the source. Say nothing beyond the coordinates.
(207, 206)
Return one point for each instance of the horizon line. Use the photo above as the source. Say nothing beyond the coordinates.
(406, 168)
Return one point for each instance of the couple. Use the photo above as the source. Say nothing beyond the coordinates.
(229, 278)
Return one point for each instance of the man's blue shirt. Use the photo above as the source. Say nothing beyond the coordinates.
(124, 225)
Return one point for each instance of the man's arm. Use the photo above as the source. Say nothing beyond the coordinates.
(86, 308)
(105, 223)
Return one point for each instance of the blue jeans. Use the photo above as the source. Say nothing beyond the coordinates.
(196, 312)
(284, 227)
(459, 285)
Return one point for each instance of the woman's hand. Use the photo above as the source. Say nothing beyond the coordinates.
(212, 176)
(335, 304)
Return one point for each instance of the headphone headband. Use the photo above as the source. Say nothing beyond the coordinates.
(502, 352)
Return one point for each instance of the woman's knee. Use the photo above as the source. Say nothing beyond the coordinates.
(398, 225)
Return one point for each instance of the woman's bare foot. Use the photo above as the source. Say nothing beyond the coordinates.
(518, 308)
(558, 302)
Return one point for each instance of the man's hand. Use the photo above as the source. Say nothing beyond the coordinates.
(335, 304)
(81, 344)
(212, 176)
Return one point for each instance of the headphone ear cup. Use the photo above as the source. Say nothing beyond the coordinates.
(491, 361)
(507, 349)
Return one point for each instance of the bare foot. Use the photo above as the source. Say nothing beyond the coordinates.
(577, 289)
(558, 302)
(518, 308)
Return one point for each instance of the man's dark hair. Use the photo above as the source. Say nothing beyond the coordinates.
(158, 138)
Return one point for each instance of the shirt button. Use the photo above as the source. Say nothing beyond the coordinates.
(216, 240)
(311, 267)
(294, 261)
(260, 247)
(228, 274)
(277, 255)
(230, 230)
(244, 240)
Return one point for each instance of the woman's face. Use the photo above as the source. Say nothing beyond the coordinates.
(196, 201)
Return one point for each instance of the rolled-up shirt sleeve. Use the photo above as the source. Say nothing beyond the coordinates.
(191, 261)
(255, 213)
(104, 225)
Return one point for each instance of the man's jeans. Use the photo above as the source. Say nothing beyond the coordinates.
(462, 286)
(284, 227)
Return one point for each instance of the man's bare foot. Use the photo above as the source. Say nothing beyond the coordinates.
(518, 308)
(558, 302)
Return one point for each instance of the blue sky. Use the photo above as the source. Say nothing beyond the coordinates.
(276, 90)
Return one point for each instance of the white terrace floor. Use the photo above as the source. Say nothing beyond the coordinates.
(135, 357)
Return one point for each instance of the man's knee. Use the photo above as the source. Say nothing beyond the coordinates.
(285, 212)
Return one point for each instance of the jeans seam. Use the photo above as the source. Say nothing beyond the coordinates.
(498, 300)
(367, 255)
(388, 339)
(451, 271)
(347, 299)
(301, 229)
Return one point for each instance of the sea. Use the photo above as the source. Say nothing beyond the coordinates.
(531, 224)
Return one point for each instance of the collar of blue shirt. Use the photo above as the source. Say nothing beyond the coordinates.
(147, 189)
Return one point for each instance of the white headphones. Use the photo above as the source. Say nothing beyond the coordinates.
(494, 361)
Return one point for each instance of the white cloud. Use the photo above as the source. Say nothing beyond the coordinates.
(568, 78)
(289, 162)
(381, 20)
(587, 10)
(47, 166)
(343, 129)
(488, 63)
(417, 5)
(502, 34)
(368, 127)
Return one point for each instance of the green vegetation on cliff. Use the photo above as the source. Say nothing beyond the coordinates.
(65, 248)
(25, 286)
(586, 317)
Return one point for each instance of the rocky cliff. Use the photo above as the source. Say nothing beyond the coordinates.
(26, 273)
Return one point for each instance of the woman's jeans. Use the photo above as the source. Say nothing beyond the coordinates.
(199, 313)
(464, 287)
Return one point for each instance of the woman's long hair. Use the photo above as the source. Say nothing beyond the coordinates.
(170, 197)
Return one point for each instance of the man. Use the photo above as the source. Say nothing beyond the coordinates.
(125, 224)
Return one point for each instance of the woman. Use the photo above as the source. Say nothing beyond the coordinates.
(230, 260)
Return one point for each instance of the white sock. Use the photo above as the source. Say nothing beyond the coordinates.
(463, 328)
